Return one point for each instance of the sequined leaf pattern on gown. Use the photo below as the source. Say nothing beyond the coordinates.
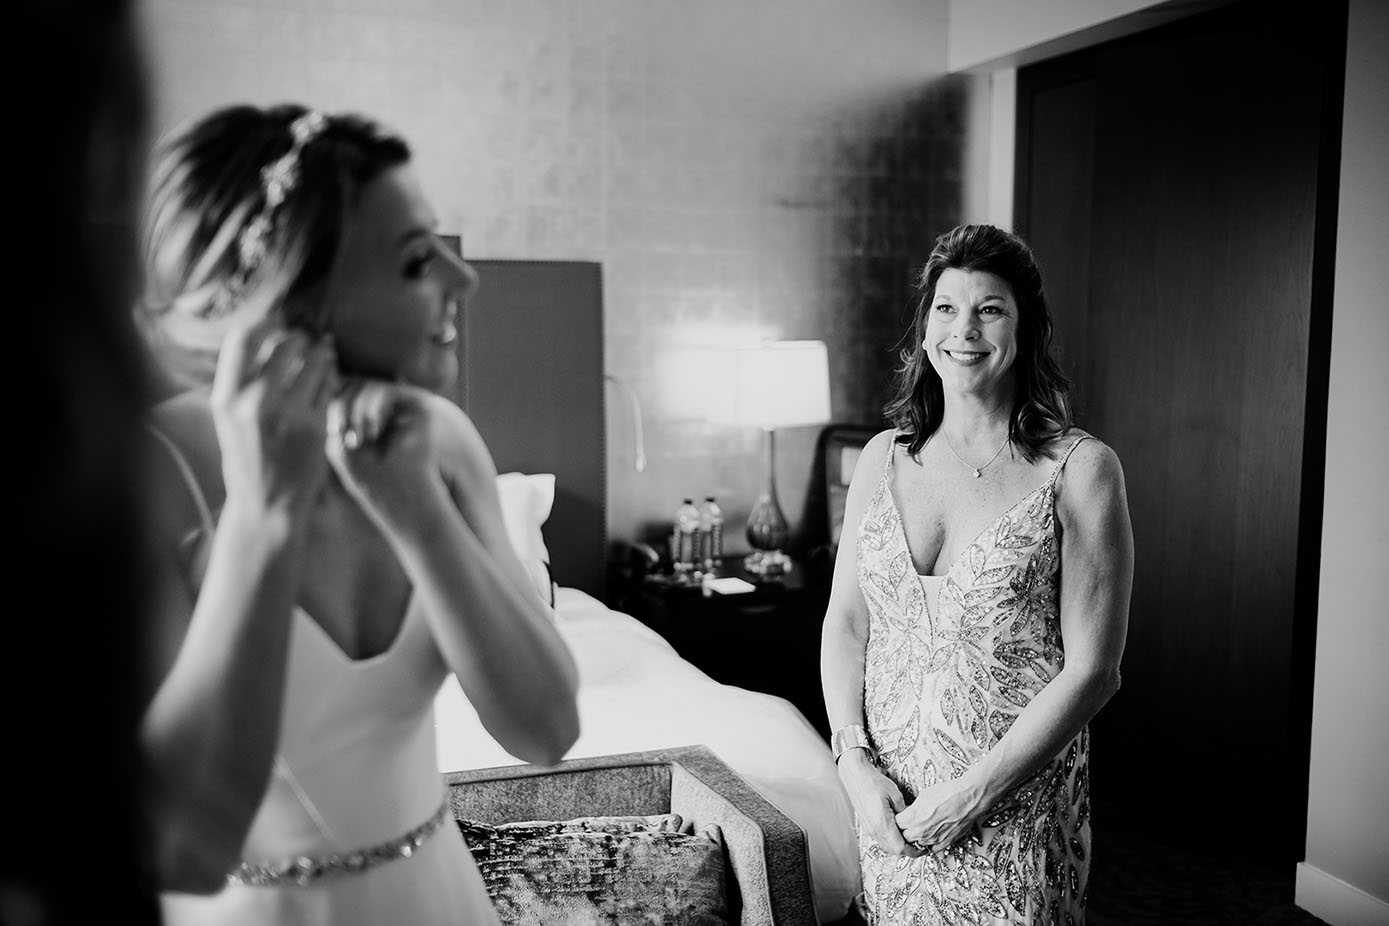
(942, 685)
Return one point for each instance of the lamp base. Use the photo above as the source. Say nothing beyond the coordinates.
(767, 563)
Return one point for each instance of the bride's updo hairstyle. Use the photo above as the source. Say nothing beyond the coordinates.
(248, 208)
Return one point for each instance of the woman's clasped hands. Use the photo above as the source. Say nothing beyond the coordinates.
(940, 816)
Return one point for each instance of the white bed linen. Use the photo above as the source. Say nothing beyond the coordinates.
(636, 694)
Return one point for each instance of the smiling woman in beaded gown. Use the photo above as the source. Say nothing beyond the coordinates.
(977, 620)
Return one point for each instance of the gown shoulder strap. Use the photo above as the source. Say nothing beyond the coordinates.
(1061, 463)
(194, 489)
(891, 452)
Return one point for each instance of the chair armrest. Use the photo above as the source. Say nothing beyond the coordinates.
(766, 850)
(630, 784)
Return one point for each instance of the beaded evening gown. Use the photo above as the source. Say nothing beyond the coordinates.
(355, 781)
(947, 672)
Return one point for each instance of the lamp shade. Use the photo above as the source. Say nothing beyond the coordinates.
(782, 384)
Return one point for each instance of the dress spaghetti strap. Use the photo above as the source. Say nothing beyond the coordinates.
(891, 452)
(181, 461)
(1060, 464)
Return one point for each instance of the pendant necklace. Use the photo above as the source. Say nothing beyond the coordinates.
(978, 470)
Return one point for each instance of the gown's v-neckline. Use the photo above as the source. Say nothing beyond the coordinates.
(902, 530)
(202, 550)
(964, 551)
(332, 642)
(342, 654)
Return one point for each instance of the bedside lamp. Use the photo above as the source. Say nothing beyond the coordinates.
(778, 384)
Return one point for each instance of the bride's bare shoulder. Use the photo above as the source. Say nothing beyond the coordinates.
(181, 431)
(186, 417)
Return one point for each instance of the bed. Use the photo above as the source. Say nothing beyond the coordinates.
(532, 379)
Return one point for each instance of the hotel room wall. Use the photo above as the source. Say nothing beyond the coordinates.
(1345, 878)
(741, 171)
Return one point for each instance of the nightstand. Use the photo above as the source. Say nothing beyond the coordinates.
(765, 640)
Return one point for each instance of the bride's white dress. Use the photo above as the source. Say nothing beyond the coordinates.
(356, 767)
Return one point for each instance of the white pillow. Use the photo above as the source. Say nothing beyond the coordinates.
(526, 502)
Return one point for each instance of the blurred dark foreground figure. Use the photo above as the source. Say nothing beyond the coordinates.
(74, 99)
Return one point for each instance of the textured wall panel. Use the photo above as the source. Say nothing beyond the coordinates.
(740, 170)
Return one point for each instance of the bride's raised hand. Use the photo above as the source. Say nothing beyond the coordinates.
(269, 402)
(381, 445)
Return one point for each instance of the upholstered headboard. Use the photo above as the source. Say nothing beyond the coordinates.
(531, 378)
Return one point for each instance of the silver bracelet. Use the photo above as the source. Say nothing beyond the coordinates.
(851, 736)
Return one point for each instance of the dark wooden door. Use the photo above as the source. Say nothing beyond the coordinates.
(1173, 185)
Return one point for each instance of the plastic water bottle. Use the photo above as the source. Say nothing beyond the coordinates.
(684, 541)
(711, 533)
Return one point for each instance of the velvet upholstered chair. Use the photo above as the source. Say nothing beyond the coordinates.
(767, 869)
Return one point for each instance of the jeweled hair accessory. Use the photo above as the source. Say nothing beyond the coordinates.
(278, 180)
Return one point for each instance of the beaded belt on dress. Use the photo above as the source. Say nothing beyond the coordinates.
(304, 870)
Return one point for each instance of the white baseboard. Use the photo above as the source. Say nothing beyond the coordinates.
(1335, 901)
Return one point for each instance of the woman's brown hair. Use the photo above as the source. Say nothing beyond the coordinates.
(1041, 407)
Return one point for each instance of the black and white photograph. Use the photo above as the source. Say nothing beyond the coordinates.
(704, 463)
